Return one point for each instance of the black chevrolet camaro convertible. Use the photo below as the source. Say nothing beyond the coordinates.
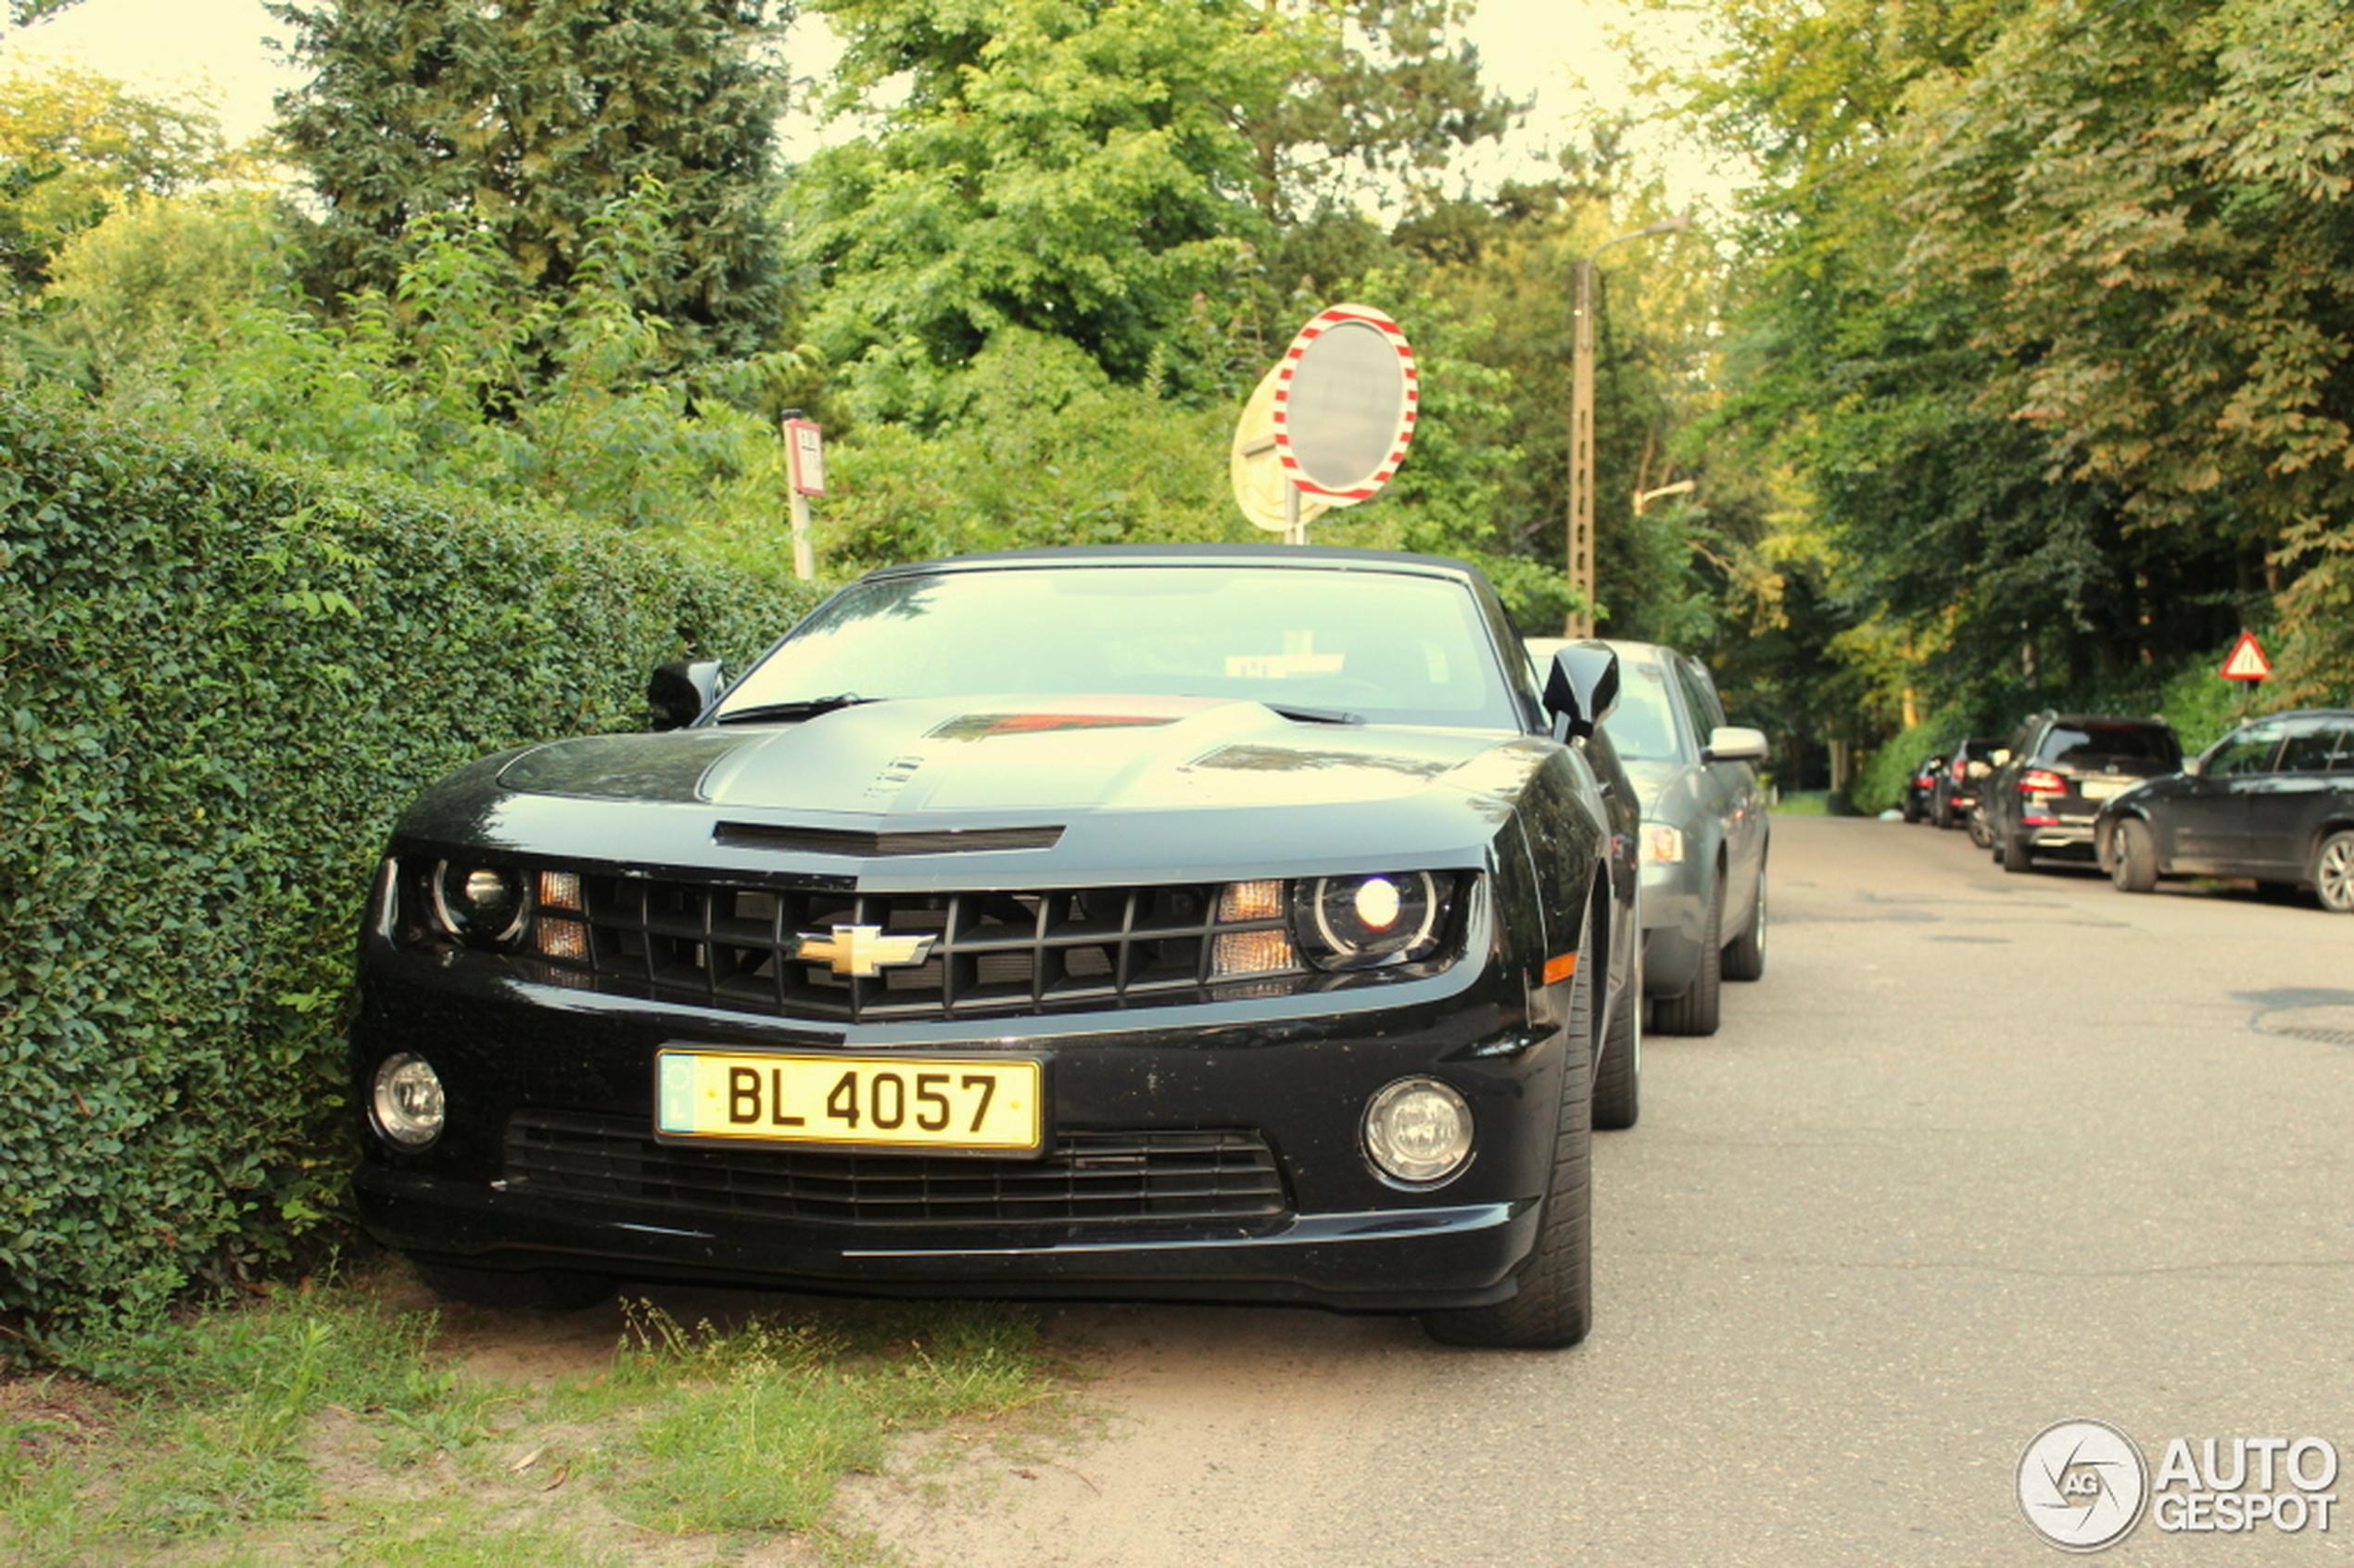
(1218, 923)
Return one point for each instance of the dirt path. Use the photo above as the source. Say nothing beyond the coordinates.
(1195, 1408)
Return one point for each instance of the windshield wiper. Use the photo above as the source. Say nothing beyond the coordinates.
(1313, 715)
(802, 708)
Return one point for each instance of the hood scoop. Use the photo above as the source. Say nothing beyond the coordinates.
(878, 845)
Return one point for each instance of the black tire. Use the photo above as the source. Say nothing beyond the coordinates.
(1698, 1010)
(2334, 873)
(1745, 954)
(2133, 856)
(1554, 1305)
(1618, 1078)
(2014, 855)
(1979, 834)
(523, 1290)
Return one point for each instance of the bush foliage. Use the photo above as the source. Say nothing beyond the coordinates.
(220, 677)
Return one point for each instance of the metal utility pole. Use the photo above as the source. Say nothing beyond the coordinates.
(1580, 622)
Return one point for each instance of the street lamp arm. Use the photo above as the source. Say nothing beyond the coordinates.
(1680, 223)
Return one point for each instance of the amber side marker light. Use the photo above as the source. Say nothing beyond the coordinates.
(1561, 968)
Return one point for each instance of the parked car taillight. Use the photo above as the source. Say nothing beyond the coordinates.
(2041, 781)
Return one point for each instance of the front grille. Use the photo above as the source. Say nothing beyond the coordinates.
(1087, 1179)
(748, 948)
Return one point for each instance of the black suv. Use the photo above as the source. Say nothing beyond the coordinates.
(2042, 801)
(2273, 800)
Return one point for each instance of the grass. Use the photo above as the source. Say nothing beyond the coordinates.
(332, 1426)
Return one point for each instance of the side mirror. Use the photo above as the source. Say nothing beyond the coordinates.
(2194, 766)
(1581, 689)
(680, 691)
(1733, 742)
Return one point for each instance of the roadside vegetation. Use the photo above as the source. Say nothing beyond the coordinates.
(345, 1422)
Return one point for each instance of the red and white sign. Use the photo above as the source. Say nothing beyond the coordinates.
(805, 455)
(2246, 661)
(1347, 395)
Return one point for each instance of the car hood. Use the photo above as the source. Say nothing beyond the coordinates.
(1119, 782)
(1653, 777)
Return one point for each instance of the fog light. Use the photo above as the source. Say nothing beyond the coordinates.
(408, 1101)
(1419, 1131)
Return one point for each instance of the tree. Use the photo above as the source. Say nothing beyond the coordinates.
(2157, 197)
(527, 119)
(1509, 261)
(1088, 169)
(74, 145)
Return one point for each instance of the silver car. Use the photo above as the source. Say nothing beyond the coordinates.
(1703, 831)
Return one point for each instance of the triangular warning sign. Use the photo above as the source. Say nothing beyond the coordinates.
(2246, 661)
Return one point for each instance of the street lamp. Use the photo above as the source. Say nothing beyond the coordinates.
(1580, 621)
(1681, 487)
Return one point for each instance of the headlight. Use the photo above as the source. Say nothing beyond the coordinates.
(406, 1100)
(1663, 845)
(1361, 922)
(1418, 1131)
(485, 906)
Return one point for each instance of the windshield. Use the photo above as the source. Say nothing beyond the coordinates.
(2096, 744)
(1390, 647)
(1643, 725)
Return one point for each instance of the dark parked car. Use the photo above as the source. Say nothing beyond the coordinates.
(1920, 788)
(1705, 834)
(2272, 800)
(1189, 922)
(1968, 764)
(2061, 767)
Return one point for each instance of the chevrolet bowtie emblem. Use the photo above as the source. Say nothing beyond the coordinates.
(867, 951)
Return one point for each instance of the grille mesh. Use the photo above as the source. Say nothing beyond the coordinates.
(743, 948)
(1134, 1179)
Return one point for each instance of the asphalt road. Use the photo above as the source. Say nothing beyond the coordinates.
(1983, 1152)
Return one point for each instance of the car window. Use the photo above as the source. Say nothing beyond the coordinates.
(1643, 726)
(2242, 752)
(2095, 745)
(1699, 700)
(1392, 646)
(2319, 746)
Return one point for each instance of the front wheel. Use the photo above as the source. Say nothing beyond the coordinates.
(2133, 856)
(2334, 873)
(1554, 1307)
(1618, 1077)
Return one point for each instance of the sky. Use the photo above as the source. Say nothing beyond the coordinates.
(1555, 50)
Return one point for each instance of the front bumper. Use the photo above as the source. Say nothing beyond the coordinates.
(1674, 904)
(511, 1051)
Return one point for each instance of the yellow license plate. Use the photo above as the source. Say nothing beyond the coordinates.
(872, 1102)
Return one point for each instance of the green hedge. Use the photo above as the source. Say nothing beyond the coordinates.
(220, 678)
